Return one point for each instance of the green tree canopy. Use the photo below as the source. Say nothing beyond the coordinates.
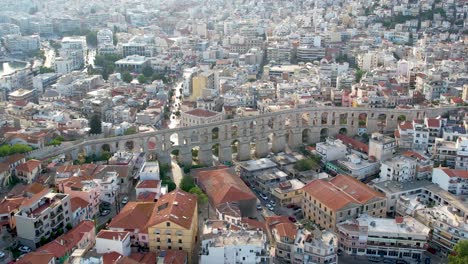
(170, 185)
(91, 38)
(127, 77)
(141, 78)
(306, 164)
(6, 150)
(147, 71)
(460, 253)
(202, 197)
(43, 69)
(95, 125)
(187, 183)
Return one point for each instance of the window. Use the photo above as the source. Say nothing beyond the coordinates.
(169, 247)
(158, 247)
(158, 239)
(168, 224)
(180, 248)
(169, 240)
(180, 241)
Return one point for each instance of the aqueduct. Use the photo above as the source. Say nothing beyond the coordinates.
(268, 132)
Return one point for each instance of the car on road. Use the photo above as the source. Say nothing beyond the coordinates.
(339, 252)
(2, 254)
(401, 261)
(389, 261)
(374, 259)
(105, 212)
(273, 203)
(125, 200)
(292, 219)
(263, 196)
(270, 207)
(24, 249)
(105, 206)
(259, 207)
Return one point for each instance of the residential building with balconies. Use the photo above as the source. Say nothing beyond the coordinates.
(83, 188)
(315, 247)
(331, 149)
(288, 192)
(399, 168)
(461, 160)
(448, 227)
(43, 215)
(452, 180)
(282, 233)
(399, 238)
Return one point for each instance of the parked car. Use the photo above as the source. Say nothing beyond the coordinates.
(401, 261)
(339, 252)
(273, 203)
(259, 207)
(292, 219)
(2, 254)
(389, 261)
(105, 212)
(105, 206)
(24, 249)
(125, 200)
(263, 196)
(374, 259)
(270, 207)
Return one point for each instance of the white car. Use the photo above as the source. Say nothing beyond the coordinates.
(270, 207)
(2, 254)
(273, 203)
(24, 249)
(125, 200)
(264, 197)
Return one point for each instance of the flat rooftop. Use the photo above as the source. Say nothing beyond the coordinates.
(256, 165)
(398, 187)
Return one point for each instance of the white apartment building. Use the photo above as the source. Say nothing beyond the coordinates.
(42, 215)
(17, 44)
(358, 167)
(399, 168)
(461, 160)
(149, 171)
(448, 227)
(220, 246)
(331, 149)
(399, 238)
(452, 180)
(109, 186)
(381, 147)
(113, 241)
(315, 247)
(74, 48)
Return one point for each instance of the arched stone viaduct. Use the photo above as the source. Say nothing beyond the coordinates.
(269, 132)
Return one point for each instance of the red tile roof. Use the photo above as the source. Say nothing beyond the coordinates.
(283, 226)
(113, 235)
(36, 258)
(66, 242)
(433, 122)
(405, 125)
(147, 197)
(111, 257)
(178, 207)
(148, 184)
(29, 166)
(144, 258)
(201, 112)
(413, 154)
(455, 173)
(9, 205)
(355, 144)
(174, 256)
(4, 167)
(135, 215)
(223, 186)
(340, 192)
(77, 202)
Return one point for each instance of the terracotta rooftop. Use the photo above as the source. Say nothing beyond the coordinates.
(113, 235)
(433, 122)
(77, 202)
(28, 166)
(135, 215)
(111, 258)
(405, 125)
(201, 112)
(341, 191)
(4, 167)
(144, 258)
(36, 258)
(148, 184)
(178, 207)
(355, 144)
(66, 242)
(147, 197)
(455, 173)
(223, 186)
(413, 154)
(8, 205)
(173, 256)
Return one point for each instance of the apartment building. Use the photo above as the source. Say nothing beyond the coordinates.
(461, 160)
(381, 147)
(315, 246)
(398, 168)
(113, 241)
(28, 171)
(282, 235)
(288, 192)
(222, 244)
(447, 225)
(452, 180)
(174, 224)
(42, 215)
(343, 197)
(84, 188)
(73, 49)
(331, 149)
(20, 44)
(399, 238)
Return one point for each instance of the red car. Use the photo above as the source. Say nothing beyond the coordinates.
(292, 219)
(290, 206)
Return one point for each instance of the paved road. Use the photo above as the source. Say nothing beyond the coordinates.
(177, 173)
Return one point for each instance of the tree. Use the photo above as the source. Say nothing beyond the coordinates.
(359, 74)
(305, 165)
(141, 78)
(202, 197)
(95, 125)
(147, 71)
(460, 253)
(187, 183)
(43, 69)
(91, 38)
(170, 185)
(130, 131)
(127, 77)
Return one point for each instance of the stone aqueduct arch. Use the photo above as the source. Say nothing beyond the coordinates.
(270, 132)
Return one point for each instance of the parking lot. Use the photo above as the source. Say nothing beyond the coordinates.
(268, 210)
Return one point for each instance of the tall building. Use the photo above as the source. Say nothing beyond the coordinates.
(381, 147)
(42, 215)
